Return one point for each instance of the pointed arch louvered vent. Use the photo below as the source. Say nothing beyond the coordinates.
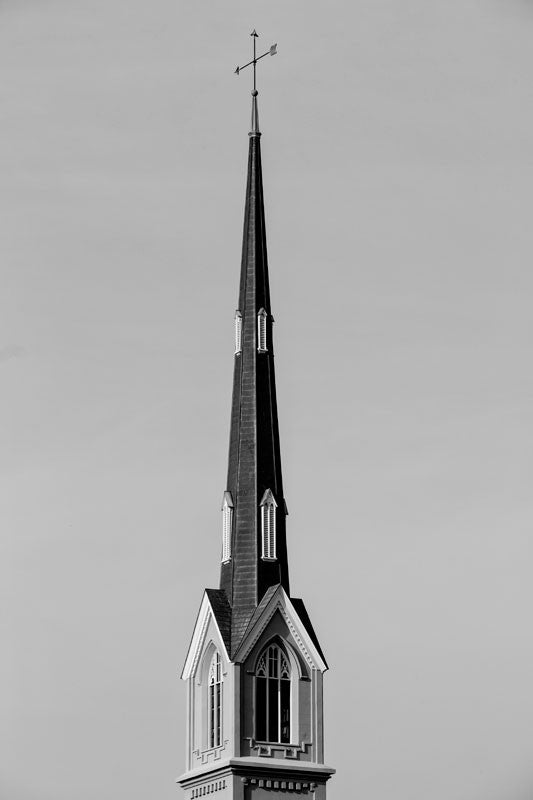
(227, 519)
(238, 332)
(262, 331)
(268, 525)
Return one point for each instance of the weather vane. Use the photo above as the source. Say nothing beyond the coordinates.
(271, 52)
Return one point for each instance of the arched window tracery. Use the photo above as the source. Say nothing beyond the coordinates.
(273, 696)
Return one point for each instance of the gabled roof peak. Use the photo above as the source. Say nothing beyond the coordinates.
(295, 616)
(214, 607)
(268, 499)
(227, 500)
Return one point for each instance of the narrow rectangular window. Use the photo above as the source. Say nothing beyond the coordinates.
(212, 716)
(285, 708)
(260, 709)
(265, 519)
(273, 711)
(271, 532)
(218, 714)
(226, 533)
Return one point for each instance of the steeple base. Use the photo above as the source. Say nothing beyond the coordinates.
(251, 778)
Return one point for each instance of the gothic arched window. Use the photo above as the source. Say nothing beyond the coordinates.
(215, 702)
(238, 332)
(273, 696)
(268, 525)
(262, 331)
(227, 517)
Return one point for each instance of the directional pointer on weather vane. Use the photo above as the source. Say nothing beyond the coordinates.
(255, 59)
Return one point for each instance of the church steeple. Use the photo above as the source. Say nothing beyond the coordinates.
(254, 668)
(258, 551)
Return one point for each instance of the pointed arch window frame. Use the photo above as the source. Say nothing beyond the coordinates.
(273, 695)
(238, 332)
(268, 507)
(262, 331)
(227, 525)
(214, 702)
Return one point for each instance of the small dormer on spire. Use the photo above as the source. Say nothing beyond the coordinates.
(227, 520)
(268, 507)
(238, 332)
(262, 317)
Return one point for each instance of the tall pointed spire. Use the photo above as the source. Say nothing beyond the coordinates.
(254, 468)
(254, 668)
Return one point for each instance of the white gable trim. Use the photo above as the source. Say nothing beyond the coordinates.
(280, 601)
(205, 615)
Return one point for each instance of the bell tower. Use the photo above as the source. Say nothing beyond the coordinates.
(254, 669)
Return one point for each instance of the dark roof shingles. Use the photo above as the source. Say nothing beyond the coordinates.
(222, 611)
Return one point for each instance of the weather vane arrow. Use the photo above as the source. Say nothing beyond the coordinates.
(255, 59)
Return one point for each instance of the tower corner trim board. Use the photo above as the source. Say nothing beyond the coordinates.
(254, 669)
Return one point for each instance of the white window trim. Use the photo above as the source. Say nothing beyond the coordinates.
(262, 331)
(238, 332)
(268, 526)
(227, 520)
(214, 703)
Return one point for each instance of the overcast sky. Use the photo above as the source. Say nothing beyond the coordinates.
(398, 172)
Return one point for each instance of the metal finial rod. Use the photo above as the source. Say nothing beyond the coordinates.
(254, 37)
(271, 52)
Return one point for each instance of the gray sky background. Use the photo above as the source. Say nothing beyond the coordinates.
(398, 168)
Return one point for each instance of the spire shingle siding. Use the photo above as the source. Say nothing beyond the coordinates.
(254, 452)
